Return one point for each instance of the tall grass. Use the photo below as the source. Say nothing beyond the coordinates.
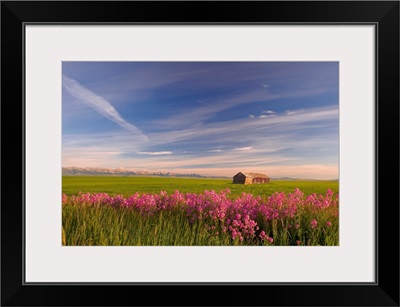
(107, 226)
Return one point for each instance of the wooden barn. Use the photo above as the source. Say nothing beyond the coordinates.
(250, 178)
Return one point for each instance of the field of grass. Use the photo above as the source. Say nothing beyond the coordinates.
(127, 186)
(106, 226)
(106, 211)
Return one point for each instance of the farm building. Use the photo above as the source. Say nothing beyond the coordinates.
(250, 178)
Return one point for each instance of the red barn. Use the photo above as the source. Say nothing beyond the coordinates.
(250, 178)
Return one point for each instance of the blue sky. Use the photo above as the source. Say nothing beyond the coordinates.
(210, 118)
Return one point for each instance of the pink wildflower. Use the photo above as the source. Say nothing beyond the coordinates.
(314, 223)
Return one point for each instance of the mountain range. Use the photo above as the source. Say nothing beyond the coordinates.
(96, 171)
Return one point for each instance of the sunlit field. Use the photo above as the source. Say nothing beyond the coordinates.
(127, 186)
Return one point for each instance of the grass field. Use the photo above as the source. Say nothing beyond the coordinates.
(127, 186)
(109, 211)
(135, 211)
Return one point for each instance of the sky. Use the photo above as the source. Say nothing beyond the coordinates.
(209, 118)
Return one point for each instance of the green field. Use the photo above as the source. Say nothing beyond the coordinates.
(85, 224)
(127, 186)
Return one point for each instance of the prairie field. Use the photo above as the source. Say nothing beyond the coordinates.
(166, 211)
(127, 186)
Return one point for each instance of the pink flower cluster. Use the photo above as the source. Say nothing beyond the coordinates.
(243, 217)
(323, 201)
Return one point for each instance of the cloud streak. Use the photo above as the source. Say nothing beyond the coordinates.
(99, 104)
(244, 148)
(289, 112)
(196, 116)
(155, 153)
(235, 128)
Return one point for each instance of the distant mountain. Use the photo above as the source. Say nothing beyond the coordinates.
(96, 171)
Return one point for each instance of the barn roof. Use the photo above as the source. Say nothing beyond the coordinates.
(255, 175)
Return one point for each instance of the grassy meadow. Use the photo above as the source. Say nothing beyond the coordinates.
(148, 211)
(127, 186)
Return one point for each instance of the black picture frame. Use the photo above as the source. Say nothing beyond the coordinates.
(383, 14)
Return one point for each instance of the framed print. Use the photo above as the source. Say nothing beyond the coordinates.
(243, 146)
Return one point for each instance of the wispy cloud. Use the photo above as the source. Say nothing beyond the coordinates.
(243, 148)
(235, 128)
(196, 116)
(99, 104)
(289, 112)
(215, 150)
(155, 153)
(264, 114)
(268, 156)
